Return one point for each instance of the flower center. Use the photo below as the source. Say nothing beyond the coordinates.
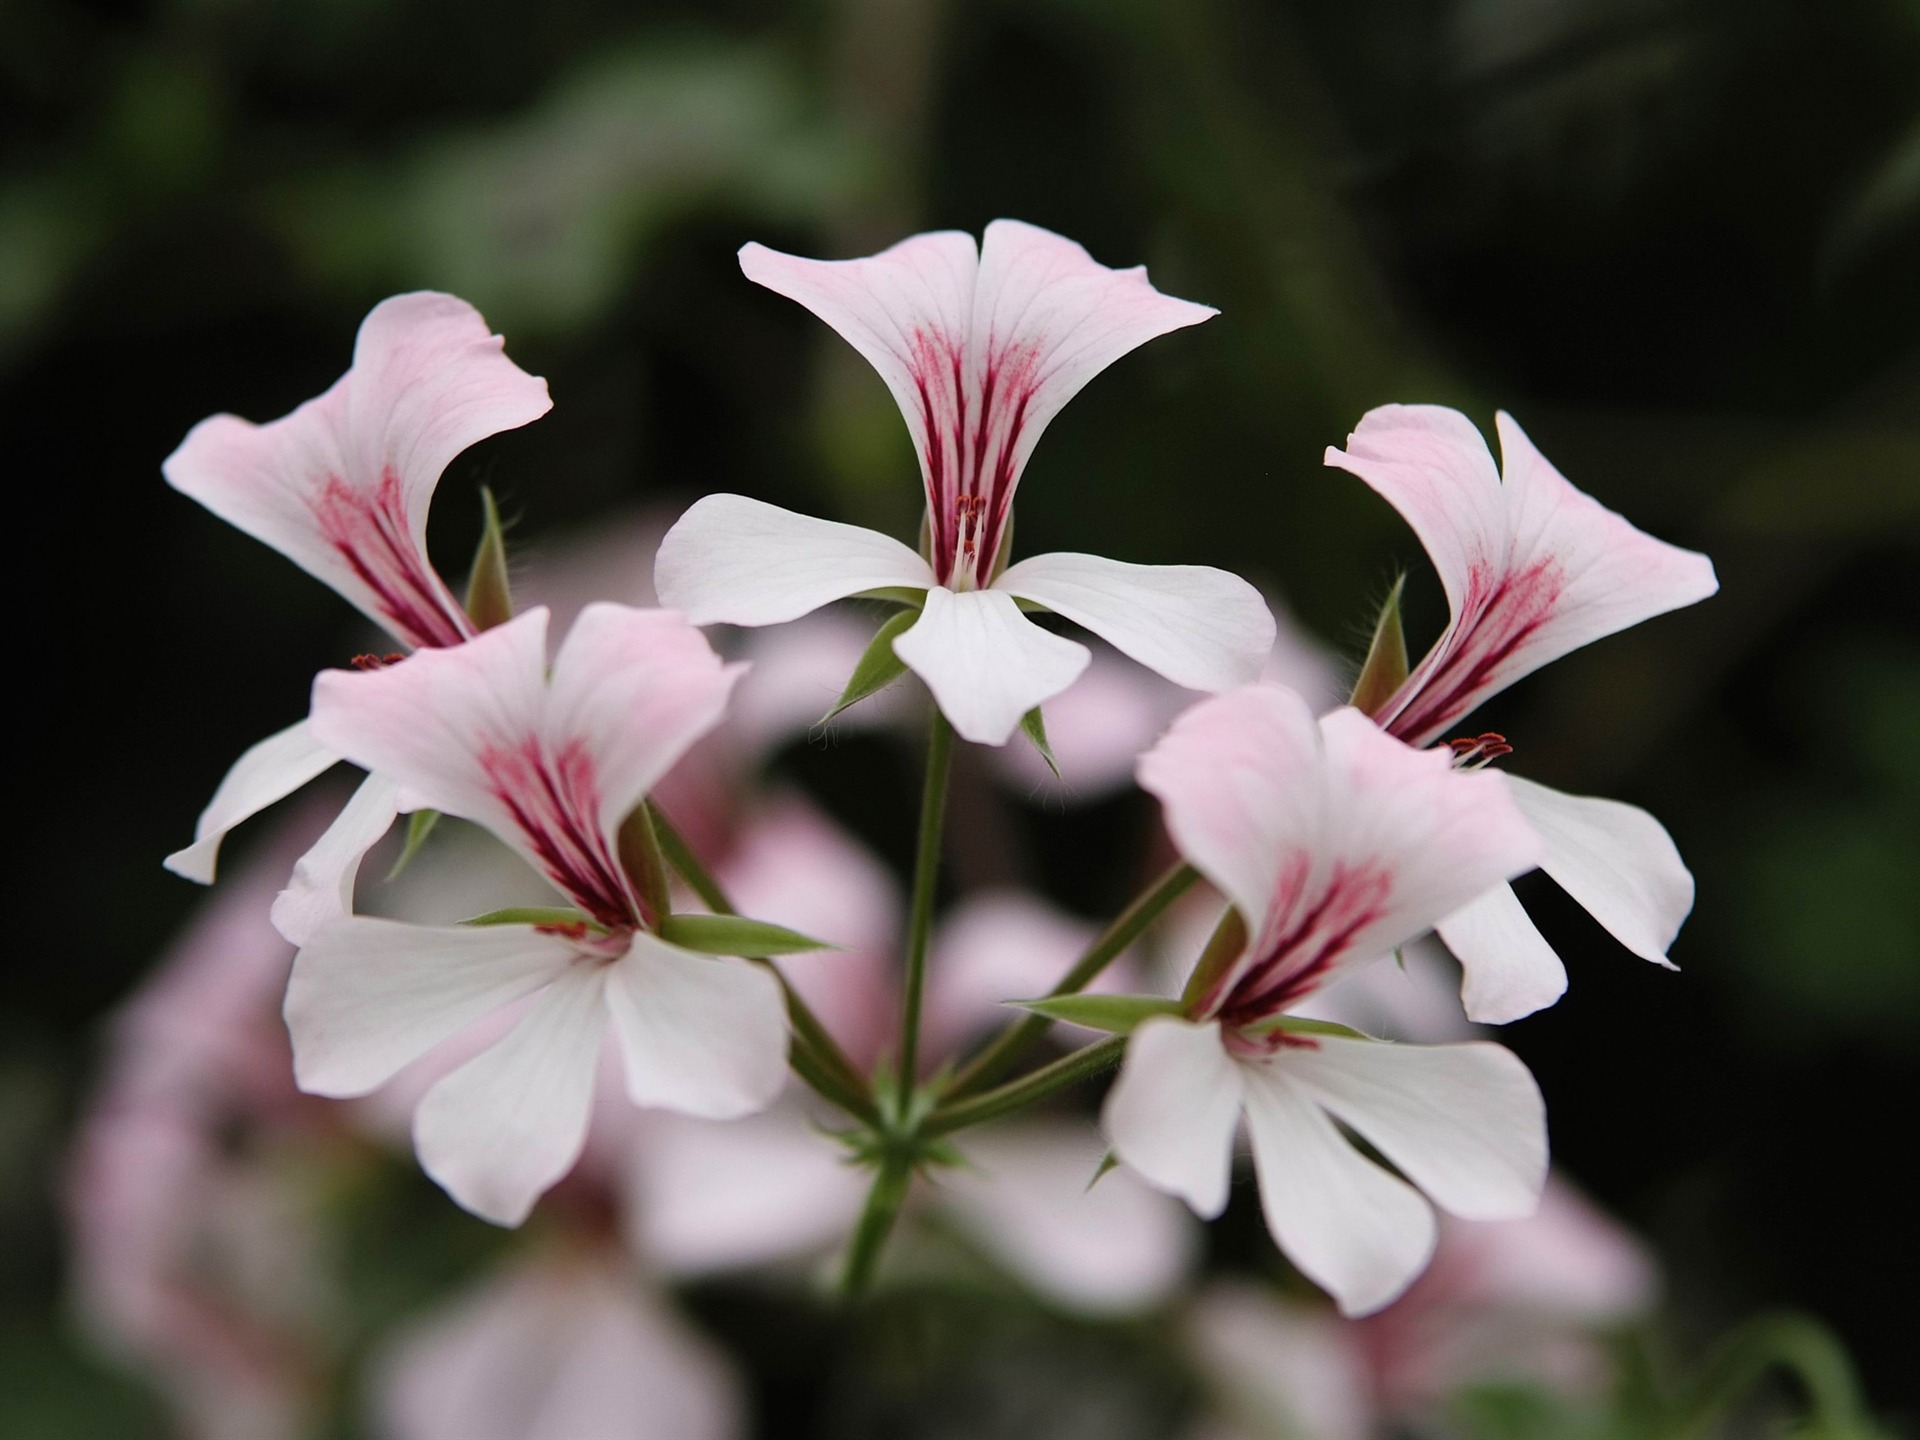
(555, 804)
(1309, 938)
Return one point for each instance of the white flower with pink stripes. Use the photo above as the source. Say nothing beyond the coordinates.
(553, 766)
(1532, 569)
(981, 347)
(341, 486)
(1335, 843)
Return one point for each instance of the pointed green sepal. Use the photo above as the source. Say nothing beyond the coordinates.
(646, 866)
(1109, 1162)
(1034, 726)
(1386, 668)
(1299, 1025)
(489, 592)
(879, 667)
(419, 826)
(736, 935)
(1224, 946)
(1115, 1014)
(560, 915)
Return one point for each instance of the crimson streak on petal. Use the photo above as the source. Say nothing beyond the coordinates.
(556, 805)
(1304, 948)
(370, 532)
(1497, 620)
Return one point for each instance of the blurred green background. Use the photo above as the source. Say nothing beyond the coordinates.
(1677, 238)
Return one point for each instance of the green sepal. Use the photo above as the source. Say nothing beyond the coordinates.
(534, 915)
(1385, 670)
(1109, 1162)
(907, 595)
(419, 825)
(489, 591)
(879, 667)
(1115, 1014)
(1299, 1025)
(646, 866)
(1224, 946)
(1034, 726)
(736, 935)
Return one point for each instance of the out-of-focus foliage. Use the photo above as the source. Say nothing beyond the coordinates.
(1676, 237)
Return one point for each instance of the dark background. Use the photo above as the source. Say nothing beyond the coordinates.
(1677, 238)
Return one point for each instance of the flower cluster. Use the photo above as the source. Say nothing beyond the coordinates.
(655, 967)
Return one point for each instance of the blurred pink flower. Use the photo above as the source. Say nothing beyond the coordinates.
(341, 487)
(568, 1343)
(981, 346)
(1533, 569)
(1335, 843)
(552, 766)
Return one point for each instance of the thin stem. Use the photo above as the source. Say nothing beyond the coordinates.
(1802, 1347)
(1036, 1085)
(889, 1192)
(926, 874)
(817, 1057)
(1005, 1048)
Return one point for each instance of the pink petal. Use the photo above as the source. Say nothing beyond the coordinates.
(1532, 567)
(1272, 1359)
(341, 486)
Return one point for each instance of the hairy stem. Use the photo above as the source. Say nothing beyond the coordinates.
(1006, 1047)
(926, 874)
(1029, 1088)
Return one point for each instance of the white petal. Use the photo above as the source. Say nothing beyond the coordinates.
(321, 890)
(270, 770)
(500, 1130)
(560, 1347)
(1171, 1114)
(702, 1035)
(1616, 860)
(1507, 967)
(1111, 1249)
(635, 689)
(734, 561)
(368, 996)
(1200, 627)
(1353, 1229)
(1464, 1122)
(985, 662)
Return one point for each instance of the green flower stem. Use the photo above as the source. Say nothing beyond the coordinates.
(817, 1057)
(882, 1209)
(926, 874)
(1036, 1085)
(1802, 1347)
(1005, 1048)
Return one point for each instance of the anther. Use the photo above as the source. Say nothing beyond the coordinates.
(377, 662)
(1471, 752)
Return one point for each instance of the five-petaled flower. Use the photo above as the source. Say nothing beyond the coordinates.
(553, 767)
(1532, 569)
(341, 486)
(1335, 843)
(981, 348)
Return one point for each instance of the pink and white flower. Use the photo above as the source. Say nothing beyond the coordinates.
(552, 766)
(341, 486)
(981, 349)
(1335, 843)
(1532, 569)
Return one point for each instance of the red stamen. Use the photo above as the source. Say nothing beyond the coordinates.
(377, 662)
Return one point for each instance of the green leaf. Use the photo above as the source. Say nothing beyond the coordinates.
(1224, 946)
(1034, 726)
(1385, 670)
(489, 592)
(879, 667)
(1116, 1014)
(532, 915)
(736, 935)
(419, 825)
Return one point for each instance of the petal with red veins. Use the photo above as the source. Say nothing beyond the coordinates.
(1358, 1232)
(1617, 861)
(1532, 567)
(499, 1131)
(701, 1035)
(341, 486)
(1463, 1122)
(985, 662)
(1200, 627)
(1172, 1113)
(368, 997)
(268, 772)
(321, 889)
(1508, 969)
(734, 561)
